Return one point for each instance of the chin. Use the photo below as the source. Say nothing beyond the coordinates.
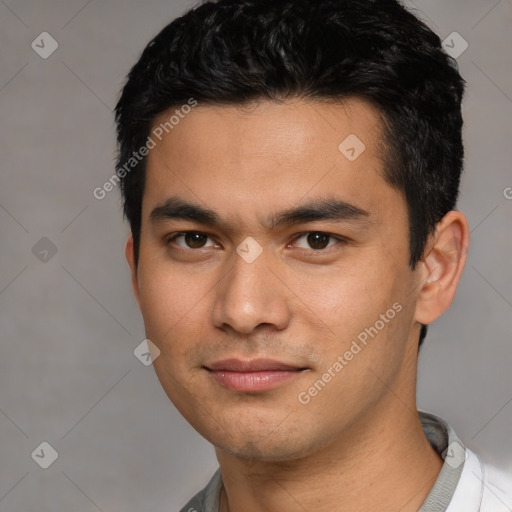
(262, 452)
(266, 445)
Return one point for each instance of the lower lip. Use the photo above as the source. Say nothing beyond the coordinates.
(253, 381)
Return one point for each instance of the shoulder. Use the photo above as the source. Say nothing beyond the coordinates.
(497, 489)
(483, 487)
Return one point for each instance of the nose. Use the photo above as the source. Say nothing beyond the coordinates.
(250, 295)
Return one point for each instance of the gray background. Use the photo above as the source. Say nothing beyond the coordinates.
(69, 324)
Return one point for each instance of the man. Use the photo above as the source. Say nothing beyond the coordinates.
(290, 170)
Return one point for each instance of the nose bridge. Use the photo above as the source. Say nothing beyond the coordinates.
(250, 294)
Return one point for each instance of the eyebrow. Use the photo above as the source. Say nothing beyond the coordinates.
(316, 210)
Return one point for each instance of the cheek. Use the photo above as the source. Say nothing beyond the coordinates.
(347, 298)
(172, 306)
(359, 305)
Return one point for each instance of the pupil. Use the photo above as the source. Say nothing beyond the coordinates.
(194, 240)
(318, 240)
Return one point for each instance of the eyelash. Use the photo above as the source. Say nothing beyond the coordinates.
(338, 238)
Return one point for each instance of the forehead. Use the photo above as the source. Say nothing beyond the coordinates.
(242, 159)
(293, 127)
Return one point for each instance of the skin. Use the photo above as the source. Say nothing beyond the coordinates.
(358, 444)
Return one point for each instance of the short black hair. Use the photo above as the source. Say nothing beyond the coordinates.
(231, 52)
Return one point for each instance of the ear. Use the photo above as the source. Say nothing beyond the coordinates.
(130, 258)
(441, 267)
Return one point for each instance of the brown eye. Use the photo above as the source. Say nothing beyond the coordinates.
(190, 240)
(195, 240)
(316, 240)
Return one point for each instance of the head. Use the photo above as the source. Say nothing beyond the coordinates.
(288, 122)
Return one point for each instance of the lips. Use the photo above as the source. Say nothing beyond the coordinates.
(256, 365)
(255, 375)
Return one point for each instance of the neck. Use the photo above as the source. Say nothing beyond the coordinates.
(384, 462)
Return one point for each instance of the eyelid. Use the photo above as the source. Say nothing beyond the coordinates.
(172, 237)
(338, 238)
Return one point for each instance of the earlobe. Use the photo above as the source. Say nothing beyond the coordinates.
(130, 258)
(441, 267)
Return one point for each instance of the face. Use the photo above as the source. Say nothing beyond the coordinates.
(273, 275)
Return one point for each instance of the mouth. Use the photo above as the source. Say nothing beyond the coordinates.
(253, 376)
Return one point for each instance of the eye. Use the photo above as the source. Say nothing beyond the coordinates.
(191, 239)
(317, 240)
